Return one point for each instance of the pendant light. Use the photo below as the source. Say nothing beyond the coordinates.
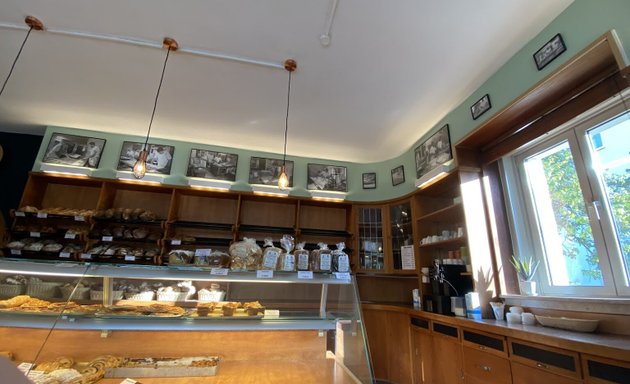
(33, 23)
(283, 181)
(140, 167)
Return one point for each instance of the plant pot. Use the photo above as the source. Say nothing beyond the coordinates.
(528, 288)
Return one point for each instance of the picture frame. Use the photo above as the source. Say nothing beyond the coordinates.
(398, 175)
(369, 180)
(549, 52)
(480, 107)
(74, 150)
(434, 151)
(266, 171)
(214, 165)
(159, 158)
(323, 177)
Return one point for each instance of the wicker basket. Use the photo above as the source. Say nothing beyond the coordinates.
(43, 290)
(140, 296)
(98, 295)
(12, 289)
(82, 293)
(205, 295)
(174, 296)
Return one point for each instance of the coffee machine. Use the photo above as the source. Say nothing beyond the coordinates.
(447, 281)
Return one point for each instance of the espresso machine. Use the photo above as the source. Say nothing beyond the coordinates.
(446, 281)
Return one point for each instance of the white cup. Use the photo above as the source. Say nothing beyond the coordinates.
(516, 309)
(513, 318)
(528, 319)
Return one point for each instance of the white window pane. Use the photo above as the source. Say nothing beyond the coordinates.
(611, 162)
(569, 246)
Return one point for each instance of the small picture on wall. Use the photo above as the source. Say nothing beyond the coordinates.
(267, 171)
(480, 107)
(433, 151)
(327, 178)
(369, 180)
(398, 175)
(78, 151)
(159, 159)
(212, 165)
(549, 51)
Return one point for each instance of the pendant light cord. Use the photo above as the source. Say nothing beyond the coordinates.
(15, 61)
(286, 122)
(157, 95)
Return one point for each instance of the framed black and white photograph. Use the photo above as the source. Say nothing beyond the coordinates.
(78, 151)
(159, 159)
(398, 175)
(369, 180)
(480, 107)
(267, 171)
(552, 49)
(327, 178)
(212, 165)
(433, 151)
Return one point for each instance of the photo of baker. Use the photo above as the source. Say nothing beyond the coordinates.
(212, 165)
(159, 159)
(327, 178)
(267, 171)
(78, 151)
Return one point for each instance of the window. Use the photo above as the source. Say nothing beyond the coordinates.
(569, 197)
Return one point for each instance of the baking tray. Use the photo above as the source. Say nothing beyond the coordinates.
(217, 314)
(166, 367)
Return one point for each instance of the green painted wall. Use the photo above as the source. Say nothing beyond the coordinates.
(580, 24)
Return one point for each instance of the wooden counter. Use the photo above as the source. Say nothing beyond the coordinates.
(604, 345)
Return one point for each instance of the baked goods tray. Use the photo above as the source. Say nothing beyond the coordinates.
(218, 315)
(167, 367)
(45, 313)
(104, 315)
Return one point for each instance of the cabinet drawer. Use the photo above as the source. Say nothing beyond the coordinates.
(486, 367)
(599, 370)
(420, 323)
(522, 374)
(485, 342)
(546, 358)
(445, 330)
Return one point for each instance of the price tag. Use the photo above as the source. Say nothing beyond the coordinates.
(42, 215)
(16, 252)
(36, 234)
(219, 271)
(108, 238)
(342, 275)
(128, 381)
(70, 236)
(176, 242)
(272, 313)
(264, 274)
(130, 258)
(306, 275)
(79, 218)
(86, 256)
(20, 214)
(203, 252)
(24, 367)
(64, 255)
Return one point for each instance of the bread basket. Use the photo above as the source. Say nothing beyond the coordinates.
(98, 295)
(140, 296)
(173, 296)
(81, 293)
(12, 289)
(43, 290)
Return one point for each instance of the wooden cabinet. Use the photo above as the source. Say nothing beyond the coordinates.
(599, 370)
(370, 238)
(546, 359)
(422, 351)
(523, 374)
(485, 367)
(448, 365)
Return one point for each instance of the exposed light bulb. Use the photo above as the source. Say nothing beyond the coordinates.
(140, 167)
(283, 180)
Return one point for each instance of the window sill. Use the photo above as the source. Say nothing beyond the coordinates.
(614, 306)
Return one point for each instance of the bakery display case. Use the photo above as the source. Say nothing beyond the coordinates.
(256, 326)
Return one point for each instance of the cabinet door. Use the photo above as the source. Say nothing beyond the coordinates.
(486, 367)
(522, 374)
(599, 370)
(447, 360)
(371, 247)
(401, 234)
(375, 322)
(422, 355)
(542, 357)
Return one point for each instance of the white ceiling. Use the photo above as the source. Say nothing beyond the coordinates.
(392, 70)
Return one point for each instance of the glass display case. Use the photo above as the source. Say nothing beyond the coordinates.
(107, 322)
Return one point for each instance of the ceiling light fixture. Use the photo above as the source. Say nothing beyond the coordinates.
(33, 23)
(283, 181)
(140, 167)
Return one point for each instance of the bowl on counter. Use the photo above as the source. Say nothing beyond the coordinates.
(578, 325)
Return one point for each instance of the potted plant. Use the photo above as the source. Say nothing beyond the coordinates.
(526, 270)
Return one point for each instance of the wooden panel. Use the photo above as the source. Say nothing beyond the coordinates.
(206, 209)
(522, 374)
(157, 202)
(598, 370)
(374, 322)
(318, 217)
(230, 345)
(555, 360)
(487, 367)
(484, 341)
(422, 356)
(447, 361)
(268, 213)
(386, 289)
(399, 348)
(70, 196)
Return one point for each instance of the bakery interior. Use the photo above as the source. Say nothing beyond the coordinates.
(329, 191)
